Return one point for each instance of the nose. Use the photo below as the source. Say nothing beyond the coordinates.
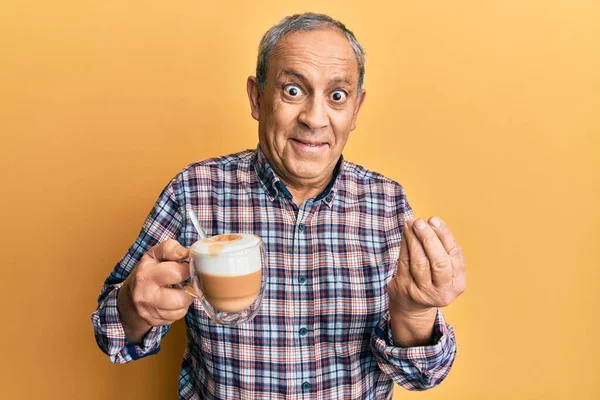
(314, 114)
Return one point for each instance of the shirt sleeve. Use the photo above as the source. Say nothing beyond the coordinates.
(164, 222)
(415, 368)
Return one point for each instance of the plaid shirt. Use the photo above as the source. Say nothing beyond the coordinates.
(322, 331)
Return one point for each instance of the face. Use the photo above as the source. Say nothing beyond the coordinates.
(308, 107)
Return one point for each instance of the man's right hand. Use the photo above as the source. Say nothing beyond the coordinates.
(145, 300)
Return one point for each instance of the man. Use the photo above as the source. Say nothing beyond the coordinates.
(355, 283)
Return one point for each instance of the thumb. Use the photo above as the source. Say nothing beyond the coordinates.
(169, 250)
(182, 252)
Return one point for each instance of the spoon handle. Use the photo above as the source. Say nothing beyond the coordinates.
(196, 224)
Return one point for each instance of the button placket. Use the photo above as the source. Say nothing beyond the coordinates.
(302, 279)
(305, 340)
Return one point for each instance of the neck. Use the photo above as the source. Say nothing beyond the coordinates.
(302, 191)
(303, 194)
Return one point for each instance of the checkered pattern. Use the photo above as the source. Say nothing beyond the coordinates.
(322, 331)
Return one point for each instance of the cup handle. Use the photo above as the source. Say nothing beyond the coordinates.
(187, 290)
(186, 285)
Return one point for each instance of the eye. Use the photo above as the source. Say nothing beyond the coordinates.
(338, 96)
(292, 90)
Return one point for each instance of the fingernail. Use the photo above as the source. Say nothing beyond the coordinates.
(419, 224)
(182, 252)
(435, 222)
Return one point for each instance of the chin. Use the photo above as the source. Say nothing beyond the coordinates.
(308, 173)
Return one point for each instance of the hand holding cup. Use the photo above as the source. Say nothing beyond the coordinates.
(147, 298)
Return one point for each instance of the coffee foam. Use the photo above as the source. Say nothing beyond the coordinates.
(228, 255)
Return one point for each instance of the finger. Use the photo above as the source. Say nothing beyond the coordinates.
(403, 243)
(447, 238)
(403, 263)
(439, 261)
(419, 264)
(172, 299)
(168, 272)
(166, 317)
(169, 250)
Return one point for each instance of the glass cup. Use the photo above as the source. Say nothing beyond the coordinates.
(228, 276)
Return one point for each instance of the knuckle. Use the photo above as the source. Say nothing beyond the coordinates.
(157, 315)
(446, 300)
(142, 279)
(141, 268)
(455, 251)
(138, 300)
(412, 292)
(144, 260)
(170, 245)
(445, 303)
(443, 283)
(443, 230)
(439, 264)
(421, 263)
(429, 238)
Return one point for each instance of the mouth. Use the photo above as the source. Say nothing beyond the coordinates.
(309, 144)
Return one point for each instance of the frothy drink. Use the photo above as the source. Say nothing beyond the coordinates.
(229, 270)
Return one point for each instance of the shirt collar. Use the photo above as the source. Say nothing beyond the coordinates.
(273, 185)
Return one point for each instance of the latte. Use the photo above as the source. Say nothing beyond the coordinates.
(229, 270)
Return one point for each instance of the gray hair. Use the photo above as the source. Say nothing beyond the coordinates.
(304, 22)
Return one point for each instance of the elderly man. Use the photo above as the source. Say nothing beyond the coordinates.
(355, 283)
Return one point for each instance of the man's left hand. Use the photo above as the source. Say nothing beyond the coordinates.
(431, 270)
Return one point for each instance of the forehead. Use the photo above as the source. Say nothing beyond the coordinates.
(316, 53)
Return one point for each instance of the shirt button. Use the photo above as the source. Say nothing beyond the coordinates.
(305, 385)
(301, 226)
(302, 279)
(303, 331)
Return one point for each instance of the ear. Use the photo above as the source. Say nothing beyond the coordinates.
(359, 104)
(253, 96)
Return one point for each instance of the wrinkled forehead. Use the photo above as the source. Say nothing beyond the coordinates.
(316, 55)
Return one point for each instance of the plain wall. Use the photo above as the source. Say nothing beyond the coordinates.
(486, 111)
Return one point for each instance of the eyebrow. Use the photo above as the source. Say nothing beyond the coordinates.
(336, 80)
(294, 73)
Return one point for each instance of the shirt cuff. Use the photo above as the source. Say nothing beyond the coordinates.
(110, 334)
(430, 363)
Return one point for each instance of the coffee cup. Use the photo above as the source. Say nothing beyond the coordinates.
(228, 275)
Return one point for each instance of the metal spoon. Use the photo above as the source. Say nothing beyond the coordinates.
(196, 224)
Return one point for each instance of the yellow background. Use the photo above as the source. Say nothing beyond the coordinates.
(488, 112)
